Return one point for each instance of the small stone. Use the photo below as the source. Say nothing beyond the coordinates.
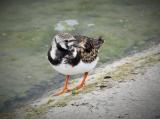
(133, 79)
(102, 86)
(107, 77)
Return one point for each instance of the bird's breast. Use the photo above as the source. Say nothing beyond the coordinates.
(81, 67)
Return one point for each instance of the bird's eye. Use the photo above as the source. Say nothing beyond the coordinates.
(66, 41)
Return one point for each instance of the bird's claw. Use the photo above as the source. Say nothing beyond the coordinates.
(62, 92)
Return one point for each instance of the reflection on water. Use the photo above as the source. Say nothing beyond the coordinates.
(27, 27)
(66, 25)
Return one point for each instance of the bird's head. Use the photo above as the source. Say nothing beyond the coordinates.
(98, 42)
(64, 41)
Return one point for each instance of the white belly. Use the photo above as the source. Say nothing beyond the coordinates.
(82, 67)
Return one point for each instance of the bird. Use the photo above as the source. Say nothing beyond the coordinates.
(72, 55)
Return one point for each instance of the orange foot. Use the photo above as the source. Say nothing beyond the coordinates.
(62, 92)
(80, 86)
(65, 88)
(82, 83)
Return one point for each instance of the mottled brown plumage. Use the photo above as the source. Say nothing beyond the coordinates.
(89, 47)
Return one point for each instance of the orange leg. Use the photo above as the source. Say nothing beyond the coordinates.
(65, 87)
(82, 83)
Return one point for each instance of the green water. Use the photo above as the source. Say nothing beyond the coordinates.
(27, 27)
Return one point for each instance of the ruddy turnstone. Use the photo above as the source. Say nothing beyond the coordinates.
(71, 55)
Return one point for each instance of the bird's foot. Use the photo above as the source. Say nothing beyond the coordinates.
(62, 92)
(75, 90)
(79, 86)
